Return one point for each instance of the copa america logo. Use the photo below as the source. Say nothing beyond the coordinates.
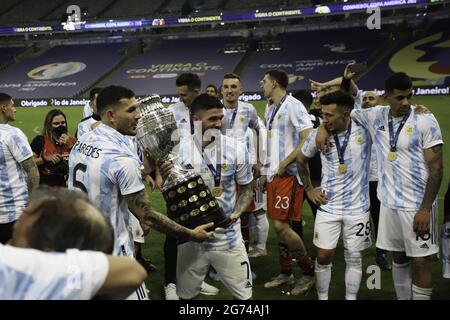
(56, 70)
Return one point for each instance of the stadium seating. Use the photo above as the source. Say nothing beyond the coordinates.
(7, 54)
(318, 55)
(63, 71)
(156, 71)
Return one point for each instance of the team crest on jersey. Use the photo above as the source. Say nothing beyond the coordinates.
(410, 130)
(279, 117)
(359, 140)
(242, 119)
(224, 166)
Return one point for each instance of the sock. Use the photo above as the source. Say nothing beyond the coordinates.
(421, 293)
(285, 259)
(245, 217)
(401, 274)
(353, 273)
(323, 278)
(304, 261)
(262, 231)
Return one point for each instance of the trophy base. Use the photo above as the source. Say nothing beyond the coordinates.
(191, 203)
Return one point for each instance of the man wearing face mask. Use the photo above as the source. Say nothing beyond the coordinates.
(51, 149)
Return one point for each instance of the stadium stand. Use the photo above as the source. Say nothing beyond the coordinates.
(319, 55)
(132, 8)
(90, 9)
(424, 57)
(7, 54)
(62, 71)
(156, 71)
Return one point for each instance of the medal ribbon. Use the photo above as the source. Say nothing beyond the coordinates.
(394, 138)
(216, 169)
(274, 113)
(341, 150)
(233, 117)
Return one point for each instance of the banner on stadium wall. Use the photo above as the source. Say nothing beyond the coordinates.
(169, 70)
(169, 99)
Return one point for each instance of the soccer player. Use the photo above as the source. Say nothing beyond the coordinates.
(343, 195)
(212, 90)
(188, 86)
(90, 121)
(104, 164)
(222, 171)
(288, 124)
(19, 174)
(64, 221)
(89, 108)
(371, 99)
(409, 150)
(239, 116)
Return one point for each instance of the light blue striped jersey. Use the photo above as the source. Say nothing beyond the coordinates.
(283, 138)
(348, 193)
(246, 117)
(28, 274)
(87, 110)
(104, 163)
(257, 145)
(14, 149)
(85, 126)
(402, 182)
(235, 168)
(373, 176)
(182, 118)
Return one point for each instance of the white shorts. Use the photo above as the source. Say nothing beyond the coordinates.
(136, 229)
(231, 265)
(355, 231)
(395, 233)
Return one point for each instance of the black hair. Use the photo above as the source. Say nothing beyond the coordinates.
(110, 96)
(212, 86)
(191, 80)
(340, 98)
(4, 97)
(64, 223)
(399, 81)
(279, 76)
(304, 96)
(232, 76)
(205, 102)
(93, 92)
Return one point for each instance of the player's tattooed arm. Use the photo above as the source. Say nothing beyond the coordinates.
(32, 171)
(434, 161)
(243, 202)
(139, 205)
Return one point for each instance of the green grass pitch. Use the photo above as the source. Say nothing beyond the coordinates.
(30, 120)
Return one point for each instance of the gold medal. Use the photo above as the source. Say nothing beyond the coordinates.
(217, 191)
(269, 134)
(342, 168)
(392, 156)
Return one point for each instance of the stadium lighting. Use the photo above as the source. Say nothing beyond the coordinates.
(257, 10)
(222, 23)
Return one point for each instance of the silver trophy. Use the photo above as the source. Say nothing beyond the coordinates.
(189, 201)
